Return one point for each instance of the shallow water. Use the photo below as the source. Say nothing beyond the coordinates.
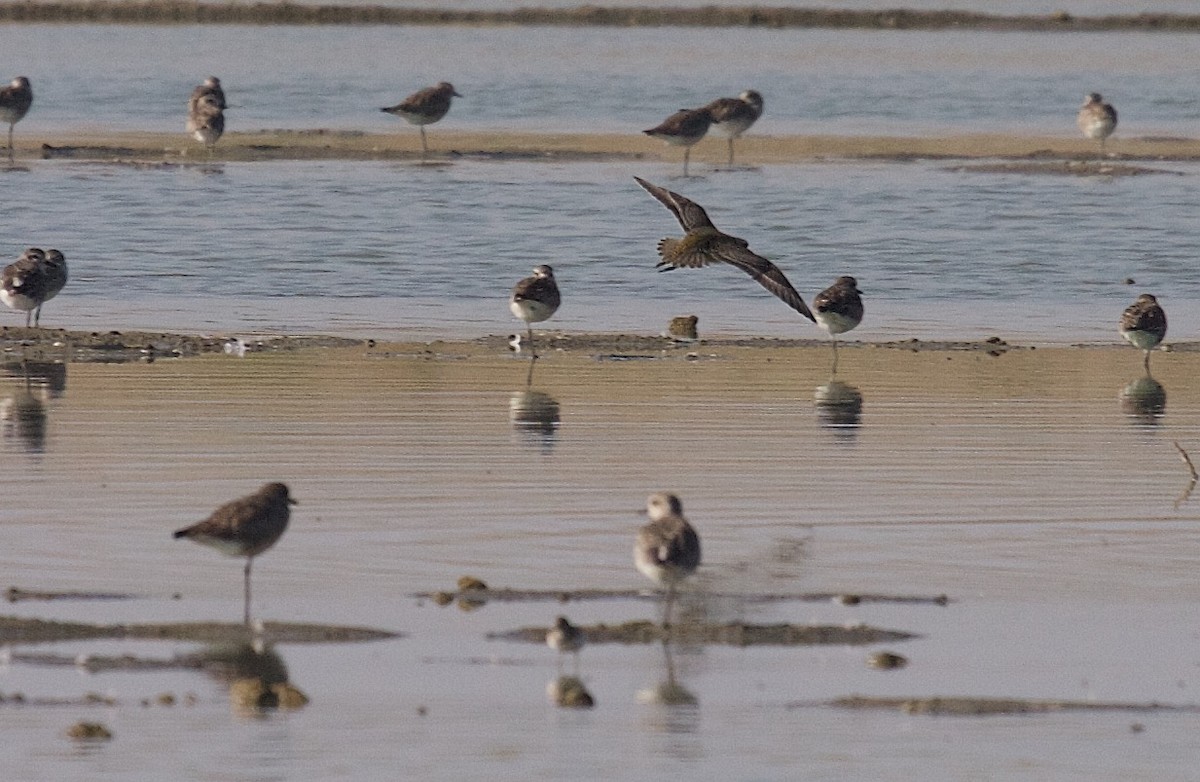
(1018, 485)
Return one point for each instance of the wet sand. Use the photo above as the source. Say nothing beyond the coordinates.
(1039, 154)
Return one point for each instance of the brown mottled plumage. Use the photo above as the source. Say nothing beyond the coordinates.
(732, 117)
(667, 548)
(245, 527)
(206, 113)
(684, 129)
(425, 107)
(1096, 118)
(1144, 324)
(838, 309)
(704, 244)
(33, 279)
(535, 299)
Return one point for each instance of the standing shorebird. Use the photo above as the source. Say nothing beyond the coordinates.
(839, 308)
(245, 527)
(667, 549)
(565, 637)
(15, 100)
(731, 117)
(1097, 119)
(534, 299)
(704, 244)
(1144, 324)
(684, 129)
(206, 113)
(32, 280)
(425, 107)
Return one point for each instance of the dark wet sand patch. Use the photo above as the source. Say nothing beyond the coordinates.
(176, 12)
(21, 630)
(728, 634)
(1063, 168)
(983, 707)
(16, 595)
(505, 595)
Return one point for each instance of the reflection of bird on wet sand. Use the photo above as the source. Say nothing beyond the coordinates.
(669, 692)
(534, 416)
(1144, 324)
(245, 527)
(23, 415)
(256, 676)
(839, 407)
(1144, 400)
(667, 549)
(703, 244)
(535, 299)
(838, 309)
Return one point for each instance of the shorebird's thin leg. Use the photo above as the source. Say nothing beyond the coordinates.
(529, 375)
(424, 145)
(532, 347)
(835, 356)
(37, 317)
(687, 151)
(1146, 361)
(667, 608)
(731, 151)
(246, 611)
(10, 146)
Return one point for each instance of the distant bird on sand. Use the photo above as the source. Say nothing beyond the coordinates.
(535, 299)
(32, 280)
(245, 527)
(15, 100)
(839, 308)
(704, 244)
(684, 129)
(732, 117)
(206, 113)
(1097, 119)
(425, 107)
(1144, 324)
(667, 549)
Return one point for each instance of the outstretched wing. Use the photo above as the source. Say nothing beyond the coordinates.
(764, 272)
(689, 214)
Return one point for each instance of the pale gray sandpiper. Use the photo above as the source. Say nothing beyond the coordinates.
(1097, 119)
(1144, 324)
(425, 107)
(245, 527)
(15, 100)
(684, 129)
(838, 309)
(667, 549)
(704, 244)
(32, 280)
(731, 117)
(206, 113)
(534, 299)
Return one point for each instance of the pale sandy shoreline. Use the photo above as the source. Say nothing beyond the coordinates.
(1050, 154)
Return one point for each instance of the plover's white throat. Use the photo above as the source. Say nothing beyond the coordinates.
(731, 117)
(425, 107)
(15, 100)
(684, 129)
(667, 549)
(534, 299)
(1144, 324)
(245, 527)
(704, 244)
(1097, 119)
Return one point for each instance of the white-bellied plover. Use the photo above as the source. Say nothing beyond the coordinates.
(684, 129)
(838, 309)
(534, 299)
(731, 117)
(206, 113)
(667, 548)
(425, 107)
(704, 244)
(1144, 324)
(32, 280)
(15, 100)
(1096, 118)
(245, 527)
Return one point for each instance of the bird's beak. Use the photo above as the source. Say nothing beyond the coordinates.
(293, 502)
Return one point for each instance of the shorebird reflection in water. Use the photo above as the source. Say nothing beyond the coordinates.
(1097, 119)
(703, 244)
(15, 100)
(1144, 324)
(684, 129)
(424, 107)
(535, 299)
(206, 113)
(32, 280)
(731, 117)
(667, 549)
(838, 309)
(245, 527)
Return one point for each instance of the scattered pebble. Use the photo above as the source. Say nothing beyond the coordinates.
(886, 661)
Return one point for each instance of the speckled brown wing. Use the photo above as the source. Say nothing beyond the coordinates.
(1145, 314)
(704, 244)
(841, 298)
(246, 526)
(540, 289)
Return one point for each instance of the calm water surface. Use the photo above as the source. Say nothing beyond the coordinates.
(1020, 485)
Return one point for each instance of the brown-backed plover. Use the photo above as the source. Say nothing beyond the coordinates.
(1144, 324)
(33, 279)
(667, 548)
(1097, 119)
(704, 244)
(15, 100)
(245, 527)
(731, 117)
(425, 107)
(684, 129)
(838, 309)
(206, 113)
(534, 299)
